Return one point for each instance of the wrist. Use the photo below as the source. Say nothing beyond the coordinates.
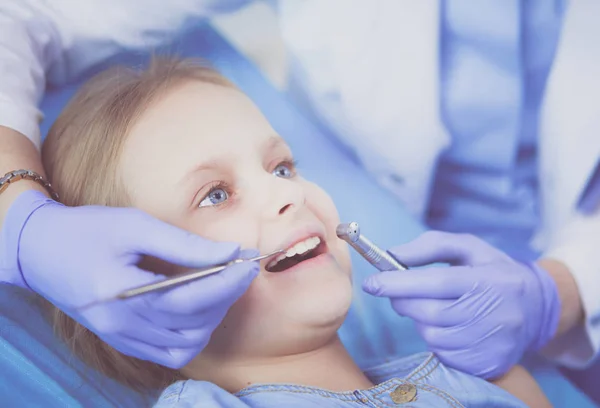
(17, 218)
(571, 310)
(10, 195)
(17, 152)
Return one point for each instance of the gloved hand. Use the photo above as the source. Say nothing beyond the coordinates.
(480, 314)
(75, 255)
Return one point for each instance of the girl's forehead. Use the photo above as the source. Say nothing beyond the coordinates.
(202, 113)
(212, 112)
(200, 124)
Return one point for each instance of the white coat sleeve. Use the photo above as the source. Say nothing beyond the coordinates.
(53, 41)
(29, 43)
(577, 245)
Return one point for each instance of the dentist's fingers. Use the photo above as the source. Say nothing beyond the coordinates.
(223, 288)
(453, 337)
(178, 246)
(140, 328)
(474, 361)
(435, 283)
(179, 321)
(468, 353)
(442, 312)
(168, 357)
(443, 247)
(161, 337)
(152, 306)
(436, 312)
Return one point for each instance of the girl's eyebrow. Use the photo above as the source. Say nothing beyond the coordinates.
(273, 143)
(206, 166)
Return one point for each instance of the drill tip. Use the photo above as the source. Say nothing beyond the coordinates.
(348, 231)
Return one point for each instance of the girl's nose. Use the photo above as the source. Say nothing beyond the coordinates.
(287, 197)
(285, 208)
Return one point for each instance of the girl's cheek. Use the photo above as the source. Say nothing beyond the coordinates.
(231, 228)
(321, 204)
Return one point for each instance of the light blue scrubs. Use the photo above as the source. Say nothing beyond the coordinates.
(496, 57)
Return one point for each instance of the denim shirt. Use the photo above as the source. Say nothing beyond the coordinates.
(416, 381)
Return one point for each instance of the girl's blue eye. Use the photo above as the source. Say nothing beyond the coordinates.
(284, 170)
(216, 196)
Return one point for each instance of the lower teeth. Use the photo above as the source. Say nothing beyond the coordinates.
(291, 261)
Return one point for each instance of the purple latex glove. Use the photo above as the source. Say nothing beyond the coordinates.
(75, 255)
(480, 314)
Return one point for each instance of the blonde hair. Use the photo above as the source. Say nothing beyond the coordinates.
(81, 155)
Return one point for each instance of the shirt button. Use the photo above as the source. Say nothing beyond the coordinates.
(404, 393)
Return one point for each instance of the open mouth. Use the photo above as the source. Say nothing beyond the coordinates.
(299, 252)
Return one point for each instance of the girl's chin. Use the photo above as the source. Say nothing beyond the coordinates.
(324, 305)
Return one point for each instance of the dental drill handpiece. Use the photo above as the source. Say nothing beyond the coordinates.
(380, 259)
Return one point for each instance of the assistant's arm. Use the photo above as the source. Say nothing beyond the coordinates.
(44, 245)
(572, 259)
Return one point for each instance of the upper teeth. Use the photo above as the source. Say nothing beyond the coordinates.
(298, 249)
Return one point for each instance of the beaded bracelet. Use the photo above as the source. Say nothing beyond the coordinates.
(16, 175)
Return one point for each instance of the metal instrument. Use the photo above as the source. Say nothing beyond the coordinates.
(350, 232)
(178, 280)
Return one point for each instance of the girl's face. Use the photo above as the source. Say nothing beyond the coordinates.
(205, 159)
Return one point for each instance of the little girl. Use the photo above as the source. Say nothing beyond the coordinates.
(181, 143)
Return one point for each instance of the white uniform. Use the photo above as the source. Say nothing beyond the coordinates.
(54, 41)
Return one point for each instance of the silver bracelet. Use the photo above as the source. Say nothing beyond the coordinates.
(16, 175)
